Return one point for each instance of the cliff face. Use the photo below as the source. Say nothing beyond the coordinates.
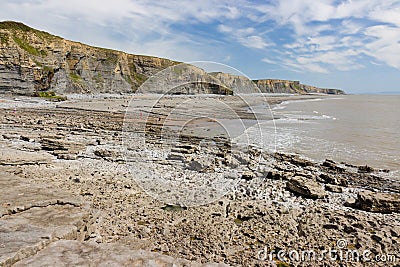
(184, 79)
(292, 87)
(31, 60)
(241, 84)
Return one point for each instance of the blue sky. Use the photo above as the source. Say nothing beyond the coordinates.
(351, 44)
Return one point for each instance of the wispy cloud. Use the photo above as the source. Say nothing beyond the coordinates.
(301, 35)
(332, 35)
(245, 36)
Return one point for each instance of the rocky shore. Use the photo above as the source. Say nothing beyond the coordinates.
(69, 194)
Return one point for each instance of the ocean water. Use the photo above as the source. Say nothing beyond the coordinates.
(356, 129)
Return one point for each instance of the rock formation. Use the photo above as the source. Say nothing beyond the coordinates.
(292, 87)
(32, 61)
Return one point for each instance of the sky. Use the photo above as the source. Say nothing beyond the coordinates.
(352, 45)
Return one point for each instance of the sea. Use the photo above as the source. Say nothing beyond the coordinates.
(356, 129)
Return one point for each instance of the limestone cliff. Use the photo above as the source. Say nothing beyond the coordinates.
(241, 84)
(291, 87)
(185, 79)
(32, 60)
(238, 84)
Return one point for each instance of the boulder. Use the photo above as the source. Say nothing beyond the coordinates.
(306, 187)
(378, 202)
(365, 169)
(330, 164)
(105, 153)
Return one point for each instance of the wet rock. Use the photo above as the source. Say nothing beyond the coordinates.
(333, 188)
(105, 153)
(248, 175)
(201, 164)
(350, 202)
(306, 187)
(275, 175)
(378, 202)
(175, 156)
(330, 164)
(332, 179)
(365, 169)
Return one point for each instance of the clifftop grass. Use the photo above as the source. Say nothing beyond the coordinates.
(18, 26)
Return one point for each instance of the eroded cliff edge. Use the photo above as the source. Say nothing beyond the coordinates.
(33, 61)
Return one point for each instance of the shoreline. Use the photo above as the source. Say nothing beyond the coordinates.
(279, 201)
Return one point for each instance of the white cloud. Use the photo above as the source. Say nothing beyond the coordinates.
(245, 36)
(139, 26)
(304, 35)
(269, 61)
(386, 44)
(336, 34)
(253, 42)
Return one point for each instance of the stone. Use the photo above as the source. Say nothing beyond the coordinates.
(11, 156)
(175, 156)
(332, 179)
(350, 202)
(195, 166)
(378, 202)
(60, 146)
(305, 187)
(105, 153)
(330, 164)
(72, 253)
(333, 188)
(365, 169)
(33, 215)
(248, 175)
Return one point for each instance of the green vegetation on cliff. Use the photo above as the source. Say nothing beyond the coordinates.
(18, 26)
(34, 60)
(28, 48)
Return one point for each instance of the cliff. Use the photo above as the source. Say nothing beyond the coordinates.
(185, 79)
(292, 87)
(241, 84)
(32, 61)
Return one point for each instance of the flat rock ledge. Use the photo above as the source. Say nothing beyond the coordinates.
(306, 187)
(33, 215)
(378, 202)
(75, 253)
(41, 226)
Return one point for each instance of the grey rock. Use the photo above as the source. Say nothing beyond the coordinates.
(11, 156)
(73, 253)
(306, 187)
(378, 202)
(333, 188)
(33, 215)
